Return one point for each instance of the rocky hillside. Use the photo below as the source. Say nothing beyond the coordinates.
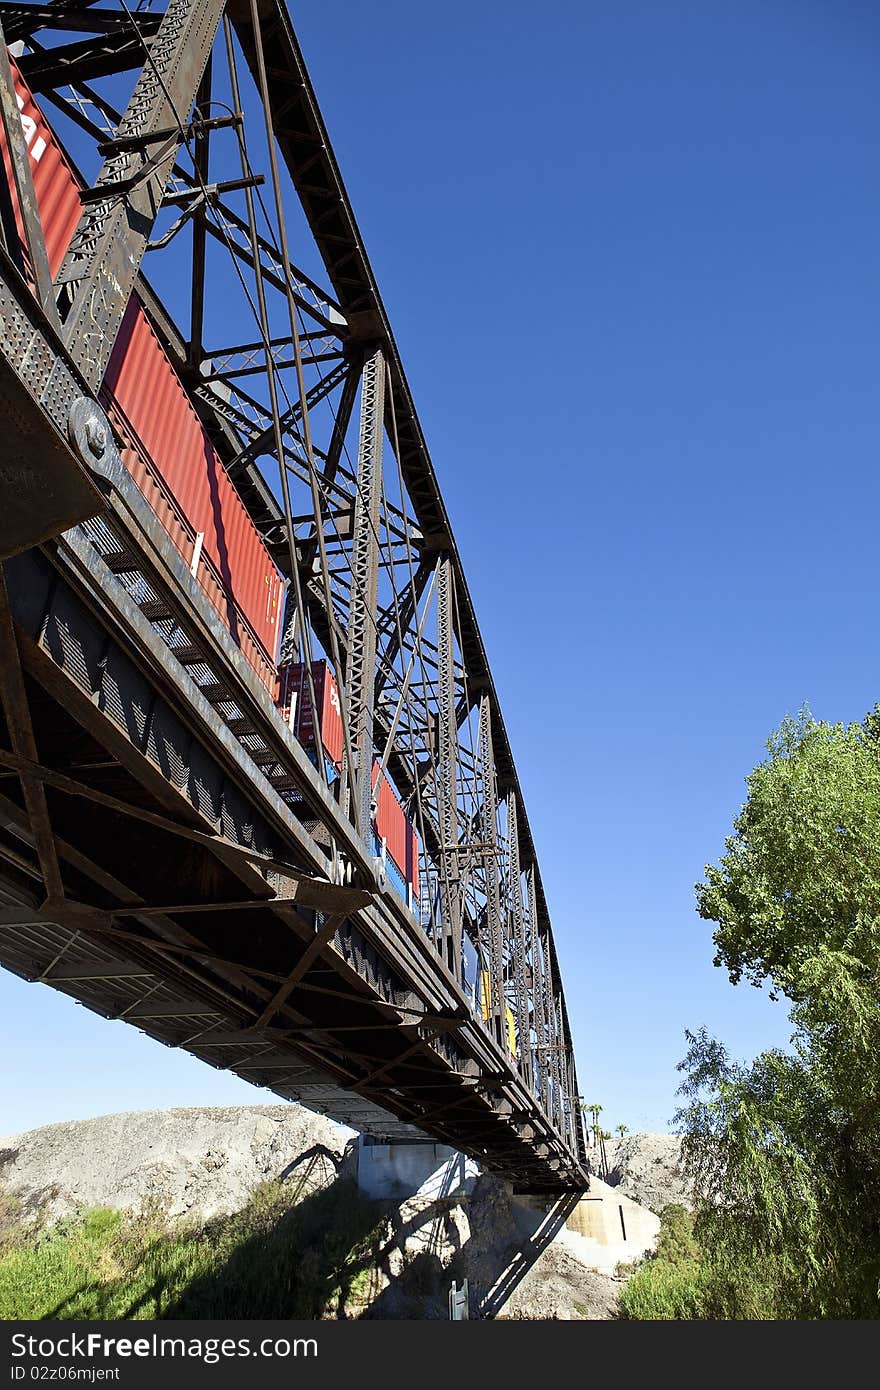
(647, 1167)
(202, 1161)
(189, 1169)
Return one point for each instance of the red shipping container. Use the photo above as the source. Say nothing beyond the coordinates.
(391, 822)
(294, 701)
(394, 826)
(166, 448)
(56, 189)
(142, 384)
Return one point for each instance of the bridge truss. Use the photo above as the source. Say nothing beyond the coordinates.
(169, 855)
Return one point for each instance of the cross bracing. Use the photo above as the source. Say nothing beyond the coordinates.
(209, 189)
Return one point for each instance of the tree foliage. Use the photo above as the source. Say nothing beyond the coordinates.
(785, 1151)
(675, 1239)
(801, 872)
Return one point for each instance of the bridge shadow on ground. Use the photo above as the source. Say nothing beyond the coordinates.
(522, 1255)
(310, 1245)
(339, 1254)
(305, 1262)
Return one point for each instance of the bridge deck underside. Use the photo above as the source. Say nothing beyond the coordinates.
(169, 855)
(316, 1006)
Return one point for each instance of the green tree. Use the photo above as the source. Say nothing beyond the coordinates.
(674, 1283)
(785, 1151)
(622, 1130)
(801, 872)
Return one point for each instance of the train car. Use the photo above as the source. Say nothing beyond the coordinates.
(294, 701)
(396, 840)
(394, 835)
(486, 1012)
(164, 445)
(171, 458)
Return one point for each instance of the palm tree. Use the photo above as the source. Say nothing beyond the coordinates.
(622, 1130)
(595, 1110)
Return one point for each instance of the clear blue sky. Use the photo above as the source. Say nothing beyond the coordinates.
(631, 252)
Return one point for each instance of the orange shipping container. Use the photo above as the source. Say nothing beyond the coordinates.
(391, 822)
(56, 189)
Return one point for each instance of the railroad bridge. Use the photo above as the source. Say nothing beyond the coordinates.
(256, 794)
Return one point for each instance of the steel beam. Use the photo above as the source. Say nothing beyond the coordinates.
(363, 600)
(536, 952)
(447, 771)
(517, 937)
(494, 919)
(99, 270)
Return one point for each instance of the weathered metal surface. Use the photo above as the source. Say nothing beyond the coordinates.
(100, 266)
(44, 487)
(443, 1010)
(361, 634)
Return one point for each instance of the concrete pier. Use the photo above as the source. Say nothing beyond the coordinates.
(413, 1169)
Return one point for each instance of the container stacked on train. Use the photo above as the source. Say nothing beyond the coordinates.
(395, 841)
(171, 458)
(165, 447)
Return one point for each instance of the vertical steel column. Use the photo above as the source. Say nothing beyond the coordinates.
(447, 769)
(564, 1099)
(541, 1034)
(194, 351)
(551, 1046)
(22, 180)
(558, 1055)
(493, 888)
(105, 252)
(317, 505)
(360, 674)
(570, 1093)
(518, 944)
(276, 430)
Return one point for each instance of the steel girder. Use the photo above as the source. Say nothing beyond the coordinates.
(362, 534)
(99, 270)
(360, 667)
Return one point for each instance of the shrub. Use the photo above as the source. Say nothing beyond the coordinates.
(275, 1259)
(675, 1239)
(662, 1291)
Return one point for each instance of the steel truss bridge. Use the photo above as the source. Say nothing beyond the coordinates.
(169, 854)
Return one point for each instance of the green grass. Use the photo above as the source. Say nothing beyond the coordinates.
(277, 1258)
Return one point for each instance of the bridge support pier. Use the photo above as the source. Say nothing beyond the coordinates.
(413, 1168)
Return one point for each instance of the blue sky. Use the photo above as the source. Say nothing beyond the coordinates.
(631, 255)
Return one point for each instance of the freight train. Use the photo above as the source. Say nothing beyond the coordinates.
(172, 459)
(395, 841)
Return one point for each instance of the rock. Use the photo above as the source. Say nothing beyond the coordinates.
(521, 1261)
(647, 1167)
(429, 1243)
(202, 1161)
